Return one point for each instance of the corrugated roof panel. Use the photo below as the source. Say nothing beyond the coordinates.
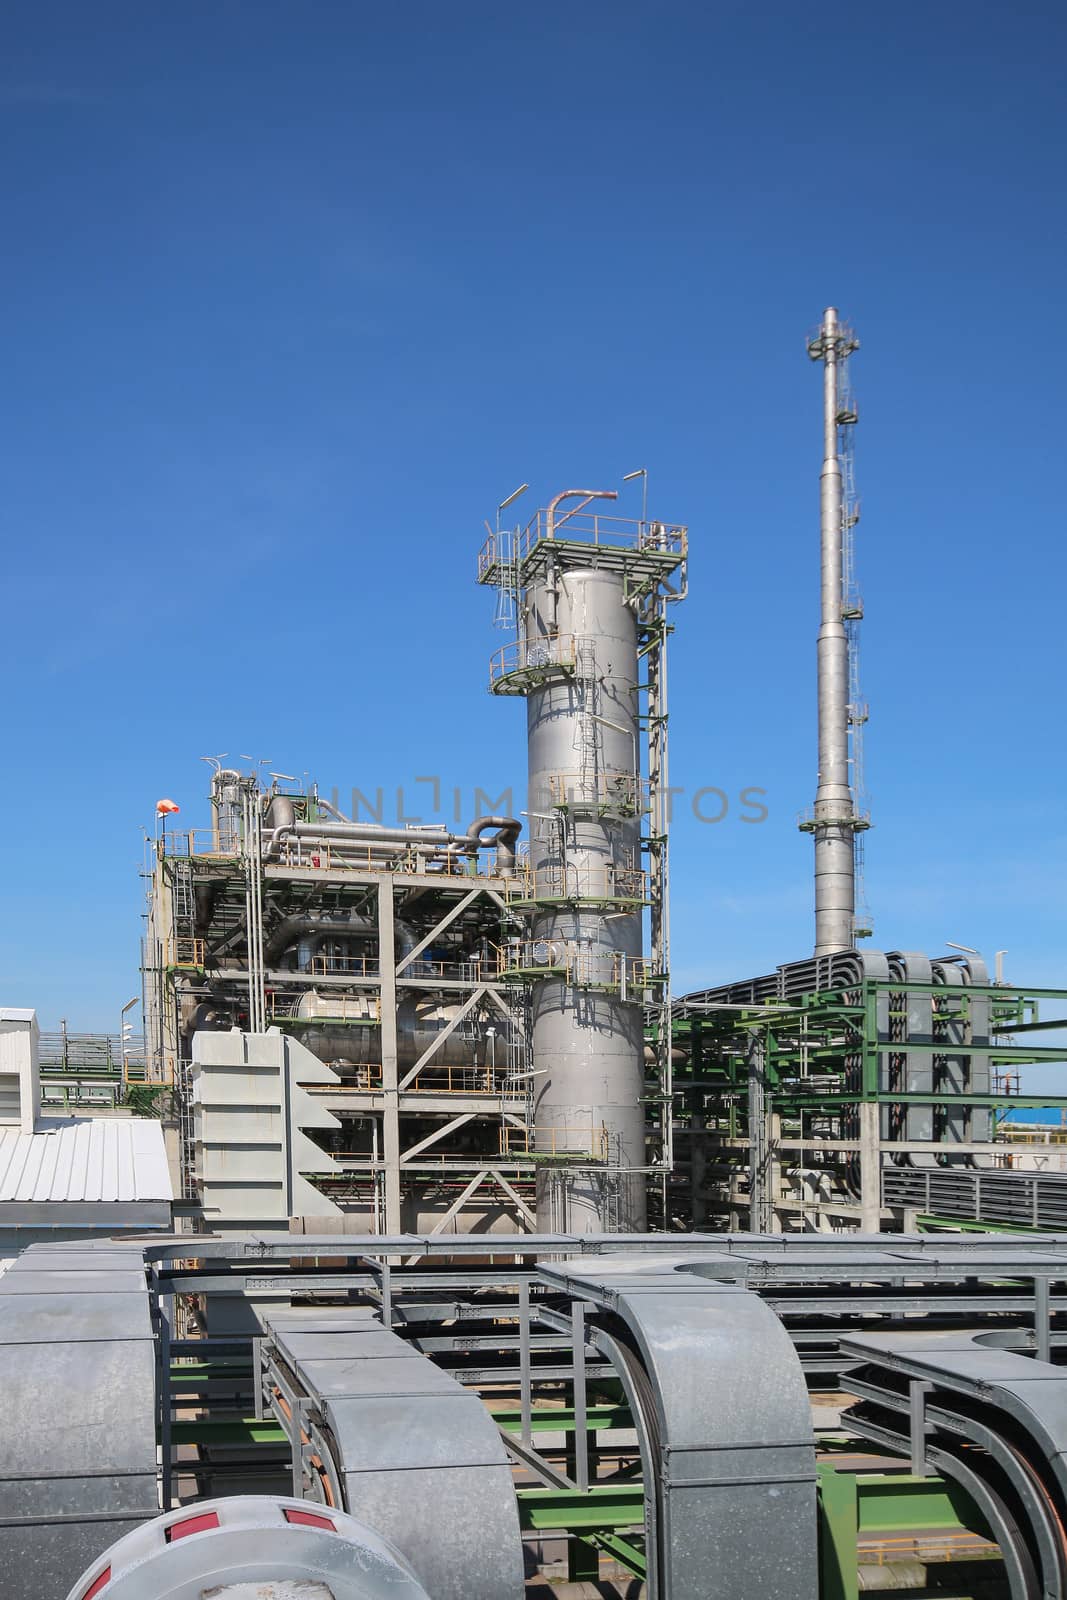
(78, 1175)
(85, 1159)
(31, 1169)
(101, 1163)
(52, 1180)
(152, 1168)
(127, 1164)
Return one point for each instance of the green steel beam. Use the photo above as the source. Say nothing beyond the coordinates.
(217, 1367)
(558, 1421)
(852, 1505)
(895, 1502)
(227, 1430)
(622, 1551)
(838, 1533)
(602, 1509)
(783, 1100)
(1010, 994)
(969, 1225)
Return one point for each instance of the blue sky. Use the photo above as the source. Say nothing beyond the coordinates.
(295, 294)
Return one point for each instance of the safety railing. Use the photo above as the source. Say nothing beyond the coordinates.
(364, 1077)
(526, 960)
(185, 842)
(617, 794)
(369, 968)
(98, 1054)
(460, 1080)
(511, 549)
(530, 661)
(553, 883)
(556, 1144)
(471, 972)
(859, 820)
(184, 953)
(345, 966)
(1030, 1133)
(353, 856)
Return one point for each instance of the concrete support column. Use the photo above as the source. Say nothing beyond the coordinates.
(870, 1168)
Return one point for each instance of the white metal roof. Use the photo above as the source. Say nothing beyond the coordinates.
(103, 1159)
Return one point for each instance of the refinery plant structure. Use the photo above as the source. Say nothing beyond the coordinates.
(498, 1269)
(414, 1027)
(466, 1025)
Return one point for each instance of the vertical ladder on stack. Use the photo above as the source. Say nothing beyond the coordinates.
(852, 615)
(588, 727)
(506, 609)
(183, 906)
(183, 931)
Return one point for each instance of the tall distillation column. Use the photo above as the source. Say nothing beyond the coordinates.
(585, 872)
(588, 595)
(835, 819)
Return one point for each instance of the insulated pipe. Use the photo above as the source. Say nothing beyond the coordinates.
(503, 841)
(363, 832)
(374, 836)
(834, 820)
(292, 929)
(280, 813)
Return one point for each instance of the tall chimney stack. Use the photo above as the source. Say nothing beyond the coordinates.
(835, 819)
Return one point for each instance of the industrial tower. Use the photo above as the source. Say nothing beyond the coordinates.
(589, 594)
(838, 819)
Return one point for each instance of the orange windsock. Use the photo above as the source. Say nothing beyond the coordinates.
(166, 808)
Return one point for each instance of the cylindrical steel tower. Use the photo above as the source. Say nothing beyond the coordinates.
(834, 820)
(588, 1037)
(589, 594)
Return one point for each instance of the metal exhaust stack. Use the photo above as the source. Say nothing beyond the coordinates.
(835, 820)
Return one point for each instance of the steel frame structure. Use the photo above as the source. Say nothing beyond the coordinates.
(436, 1133)
(882, 1073)
(651, 1396)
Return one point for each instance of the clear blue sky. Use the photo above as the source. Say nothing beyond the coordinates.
(294, 294)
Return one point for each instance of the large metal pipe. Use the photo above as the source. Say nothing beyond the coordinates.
(376, 837)
(362, 832)
(834, 817)
(347, 1029)
(292, 929)
(504, 840)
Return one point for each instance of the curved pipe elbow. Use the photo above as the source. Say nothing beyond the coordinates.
(503, 841)
(587, 494)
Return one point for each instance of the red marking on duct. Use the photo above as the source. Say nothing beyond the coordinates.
(309, 1519)
(98, 1584)
(200, 1524)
